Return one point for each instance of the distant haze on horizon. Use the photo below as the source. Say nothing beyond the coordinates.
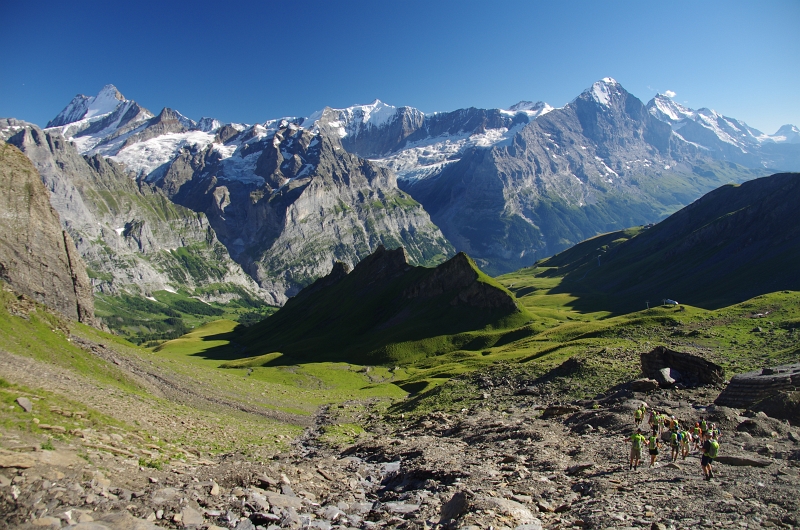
(269, 60)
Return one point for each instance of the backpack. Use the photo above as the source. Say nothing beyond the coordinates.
(653, 442)
(713, 449)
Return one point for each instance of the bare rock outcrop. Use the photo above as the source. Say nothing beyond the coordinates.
(38, 258)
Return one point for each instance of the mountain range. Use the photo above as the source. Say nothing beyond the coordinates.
(270, 207)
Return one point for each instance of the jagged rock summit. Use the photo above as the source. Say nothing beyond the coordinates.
(374, 313)
(37, 258)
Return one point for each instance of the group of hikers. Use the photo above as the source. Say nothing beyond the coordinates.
(703, 436)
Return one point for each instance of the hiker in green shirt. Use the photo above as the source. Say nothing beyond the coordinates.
(653, 446)
(637, 417)
(685, 440)
(710, 451)
(637, 441)
(675, 444)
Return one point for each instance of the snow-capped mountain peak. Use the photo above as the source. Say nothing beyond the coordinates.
(666, 109)
(208, 124)
(788, 133)
(84, 107)
(530, 108)
(104, 102)
(602, 91)
(352, 120)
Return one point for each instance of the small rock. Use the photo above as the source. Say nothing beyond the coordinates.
(191, 517)
(25, 403)
(452, 509)
(793, 436)
(245, 524)
(545, 506)
(53, 522)
(644, 385)
(658, 526)
(559, 410)
(214, 489)
(284, 501)
(577, 468)
(742, 461)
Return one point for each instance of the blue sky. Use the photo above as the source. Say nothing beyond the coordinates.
(252, 61)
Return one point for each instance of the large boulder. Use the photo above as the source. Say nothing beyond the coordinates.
(669, 367)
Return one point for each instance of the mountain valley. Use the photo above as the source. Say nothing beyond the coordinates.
(378, 318)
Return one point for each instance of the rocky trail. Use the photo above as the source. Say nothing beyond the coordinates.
(528, 463)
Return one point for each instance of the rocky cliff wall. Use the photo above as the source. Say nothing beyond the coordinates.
(37, 257)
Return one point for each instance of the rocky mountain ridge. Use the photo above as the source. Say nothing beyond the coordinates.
(364, 314)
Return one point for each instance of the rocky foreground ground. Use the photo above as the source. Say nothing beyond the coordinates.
(522, 462)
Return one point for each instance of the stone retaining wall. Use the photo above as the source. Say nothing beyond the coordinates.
(746, 389)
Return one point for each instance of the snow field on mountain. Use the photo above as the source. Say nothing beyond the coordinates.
(144, 157)
(425, 157)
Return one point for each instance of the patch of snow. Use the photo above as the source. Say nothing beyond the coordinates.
(119, 230)
(532, 110)
(608, 169)
(170, 290)
(428, 156)
(104, 102)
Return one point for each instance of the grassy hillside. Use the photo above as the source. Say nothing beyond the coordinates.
(167, 315)
(732, 244)
(79, 377)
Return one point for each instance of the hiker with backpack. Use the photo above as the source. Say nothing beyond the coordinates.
(637, 440)
(653, 445)
(686, 438)
(637, 417)
(697, 434)
(710, 451)
(674, 443)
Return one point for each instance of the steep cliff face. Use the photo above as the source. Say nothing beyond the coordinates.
(38, 258)
(296, 203)
(132, 237)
